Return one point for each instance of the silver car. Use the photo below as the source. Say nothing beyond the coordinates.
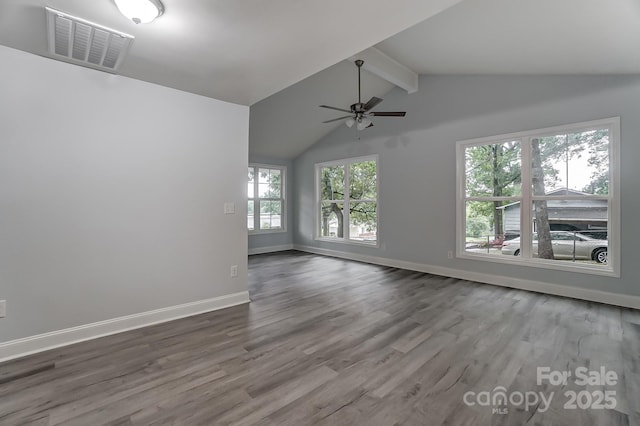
(564, 243)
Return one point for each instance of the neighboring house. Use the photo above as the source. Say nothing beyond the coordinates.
(567, 215)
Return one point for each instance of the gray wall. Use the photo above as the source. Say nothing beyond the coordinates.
(417, 163)
(276, 239)
(111, 196)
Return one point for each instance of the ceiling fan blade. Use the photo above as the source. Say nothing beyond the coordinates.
(337, 109)
(388, 114)
(370, 125)
(372, 103)
(339, 118)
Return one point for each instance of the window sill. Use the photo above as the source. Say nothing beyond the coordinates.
(375, 244)
(542, 264)
(268, 231)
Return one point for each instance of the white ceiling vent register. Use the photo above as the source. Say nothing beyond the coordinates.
(85, 43)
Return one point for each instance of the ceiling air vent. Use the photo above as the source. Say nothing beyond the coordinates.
(81, 42)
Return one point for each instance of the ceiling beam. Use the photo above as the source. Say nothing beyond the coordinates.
(378, 63)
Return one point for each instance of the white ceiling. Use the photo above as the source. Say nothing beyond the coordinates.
(235, 50)
(248, 51)
(524, 37)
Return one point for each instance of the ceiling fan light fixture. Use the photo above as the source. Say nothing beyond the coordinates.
(363, 123)
(350, 122)
(140, 11)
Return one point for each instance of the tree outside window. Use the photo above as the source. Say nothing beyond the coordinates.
(348, 192)
(265, 208)
(550, 181)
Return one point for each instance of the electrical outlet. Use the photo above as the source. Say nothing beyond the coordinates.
(450, 254)
(234, 271)
(3, 308)
(229, 208)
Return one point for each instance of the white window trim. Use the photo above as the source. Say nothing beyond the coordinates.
(613, 223)
(318, 195)
(283, 192)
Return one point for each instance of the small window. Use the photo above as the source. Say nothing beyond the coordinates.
(545, 198)
(347, 200)
(266, 202)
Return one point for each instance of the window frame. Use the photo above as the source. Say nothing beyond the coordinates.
(346, 162)
(256, 200)
(527, 198)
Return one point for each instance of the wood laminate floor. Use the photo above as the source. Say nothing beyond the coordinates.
(334, 342)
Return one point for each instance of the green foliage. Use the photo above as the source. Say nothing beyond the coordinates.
(270, 207)
(362, 195)
(599, 185)
(270, 191)
(551, 150)
(593, 143)
(362, 181)
(477, 226)
(363, 186)
(364, 214)
(598, 149)
(492, 170)
(270, 183)
(332, 183)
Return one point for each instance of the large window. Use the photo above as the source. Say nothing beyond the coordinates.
(347, 200)
(546, 198)
(265, 209)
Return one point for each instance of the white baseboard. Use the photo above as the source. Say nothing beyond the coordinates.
(42, 342)
(270, 249)
(624, 300)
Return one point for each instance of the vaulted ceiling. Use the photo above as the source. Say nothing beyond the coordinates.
(286, 57)
(239, 51)
(470, 37)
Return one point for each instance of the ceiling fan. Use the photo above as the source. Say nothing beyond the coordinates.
(360, 114)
